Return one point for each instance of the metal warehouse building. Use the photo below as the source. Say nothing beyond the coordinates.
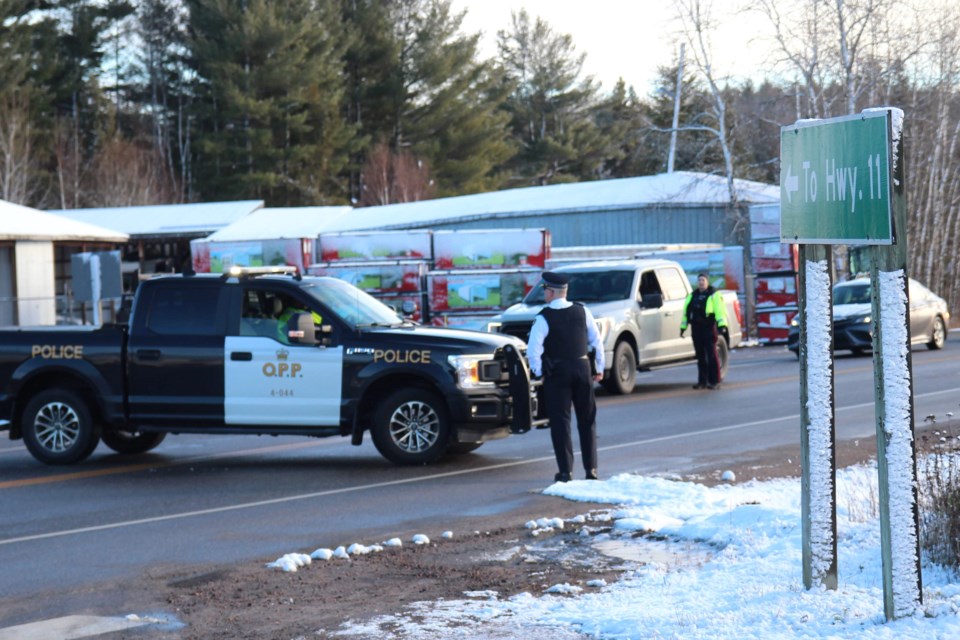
(680, 207)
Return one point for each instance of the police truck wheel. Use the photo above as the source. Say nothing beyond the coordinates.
(57, 427)
(411, 427)
(723, 357)
(131, 441)
(623, 374)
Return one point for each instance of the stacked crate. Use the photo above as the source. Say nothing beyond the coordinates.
(479, 273)
(389, 265)
(775, 265)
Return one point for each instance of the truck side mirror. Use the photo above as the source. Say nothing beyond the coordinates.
(301, 330)
(651, 300)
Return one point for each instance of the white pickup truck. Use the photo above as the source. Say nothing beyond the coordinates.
(638, 306)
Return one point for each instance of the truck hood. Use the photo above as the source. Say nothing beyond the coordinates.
(446, 338)
(521, 311)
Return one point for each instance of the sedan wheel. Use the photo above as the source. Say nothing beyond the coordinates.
(938, 337)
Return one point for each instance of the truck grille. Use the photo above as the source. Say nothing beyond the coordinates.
(517, 329)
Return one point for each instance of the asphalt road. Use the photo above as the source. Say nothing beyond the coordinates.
(209, 499)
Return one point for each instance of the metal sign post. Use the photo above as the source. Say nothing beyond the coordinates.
(842, 181)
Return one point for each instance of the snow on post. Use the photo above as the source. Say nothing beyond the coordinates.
(820, 519)
(897, 432)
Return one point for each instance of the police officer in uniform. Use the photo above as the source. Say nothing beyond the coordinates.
(562, 336)
(705, 312)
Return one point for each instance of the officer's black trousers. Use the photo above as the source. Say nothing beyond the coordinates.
(705, 344)
(569, 381)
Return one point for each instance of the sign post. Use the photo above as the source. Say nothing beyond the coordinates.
(842, 181)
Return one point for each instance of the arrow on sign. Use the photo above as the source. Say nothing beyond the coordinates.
(792, 183)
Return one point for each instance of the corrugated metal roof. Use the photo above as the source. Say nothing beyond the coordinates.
(24, 223)
(678, 189)
(195, 219)
(279, 223)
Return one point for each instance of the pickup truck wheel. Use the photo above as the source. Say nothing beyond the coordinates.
(132, 441)
(57, 427)
(723, 356)
(411, 427)
(623, 373)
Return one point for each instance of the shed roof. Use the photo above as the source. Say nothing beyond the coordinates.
(18, 222)
(680, 189)
(278, 223)
(166, 220)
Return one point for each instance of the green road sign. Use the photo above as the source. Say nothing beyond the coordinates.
(835, 180)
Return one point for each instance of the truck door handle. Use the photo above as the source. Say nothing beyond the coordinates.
(148, 354)
(668, 313)
(242, 356)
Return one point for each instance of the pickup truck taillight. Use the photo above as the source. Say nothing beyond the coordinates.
(736, 310)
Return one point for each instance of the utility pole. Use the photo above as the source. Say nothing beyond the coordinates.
(676, 110)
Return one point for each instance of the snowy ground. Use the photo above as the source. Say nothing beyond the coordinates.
(719, 562)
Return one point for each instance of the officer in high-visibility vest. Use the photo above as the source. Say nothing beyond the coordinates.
(706, 313)
(562, 337)
(283, 322)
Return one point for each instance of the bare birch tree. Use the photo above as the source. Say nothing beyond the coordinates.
(18, 177)
(697, 24)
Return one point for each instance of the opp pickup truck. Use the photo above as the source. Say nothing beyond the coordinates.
(638, 306)
(261, 354)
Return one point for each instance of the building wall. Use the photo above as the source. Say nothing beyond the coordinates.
(36, 295)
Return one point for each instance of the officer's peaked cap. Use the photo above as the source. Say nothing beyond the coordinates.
(555, 280)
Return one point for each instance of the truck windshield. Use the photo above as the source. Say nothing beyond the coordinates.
(591, 286)
(351, 304)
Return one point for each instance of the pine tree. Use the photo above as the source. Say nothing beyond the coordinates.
(270, 91)
(550, 106)
(426, 92)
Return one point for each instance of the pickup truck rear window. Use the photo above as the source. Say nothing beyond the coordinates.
(183, 311)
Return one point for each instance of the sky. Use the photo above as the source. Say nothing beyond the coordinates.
(726, 566)
(625, 38)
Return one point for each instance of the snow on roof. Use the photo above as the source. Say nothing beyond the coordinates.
(196, 219)
(271, 224)
(681, 188)
(24, 223)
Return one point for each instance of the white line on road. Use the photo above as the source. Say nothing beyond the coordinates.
(434, 476)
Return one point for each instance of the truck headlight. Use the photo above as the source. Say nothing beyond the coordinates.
(475, 371)
(604, 327)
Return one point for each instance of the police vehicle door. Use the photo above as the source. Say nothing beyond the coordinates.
(269, 379)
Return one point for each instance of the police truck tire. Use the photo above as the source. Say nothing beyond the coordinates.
(723, 356)
(411, 427)
(622, 377)
(57, 427)
(131, 441)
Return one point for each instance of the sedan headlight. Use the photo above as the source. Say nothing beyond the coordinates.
(863, 319)
(475, 371)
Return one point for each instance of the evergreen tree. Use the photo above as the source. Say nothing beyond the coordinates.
(270, 90)
(550, 106)
(425, 91)
(621, 118)
(162, 93)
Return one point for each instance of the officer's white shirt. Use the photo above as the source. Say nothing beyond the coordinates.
(540, 329)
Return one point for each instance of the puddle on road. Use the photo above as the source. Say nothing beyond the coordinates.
(667, 553)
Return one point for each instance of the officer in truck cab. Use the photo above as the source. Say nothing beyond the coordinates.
(286, 315)
(706, 313)
(561, 339)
